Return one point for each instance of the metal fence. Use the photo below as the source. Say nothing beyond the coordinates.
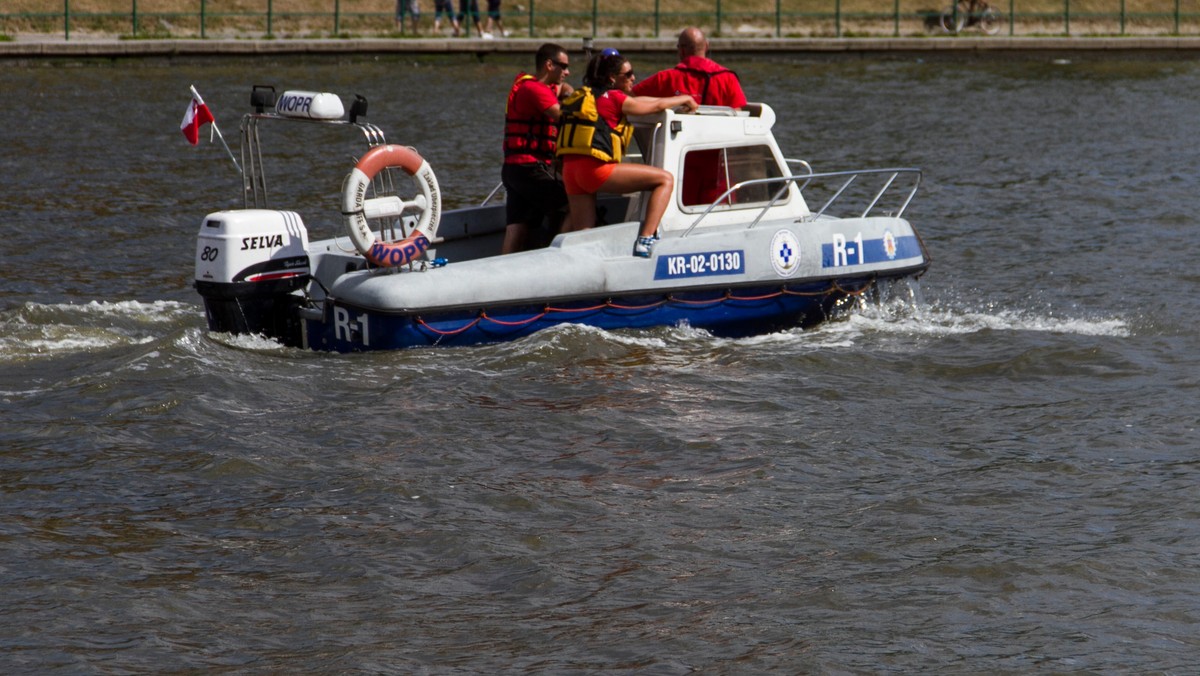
(144, 19)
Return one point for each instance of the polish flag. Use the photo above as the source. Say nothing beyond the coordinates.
(197, 115)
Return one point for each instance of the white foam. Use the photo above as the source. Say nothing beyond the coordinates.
(153, 311)
(564, 334)
(41, 330)
(907, 319)
(900, 316)
(945, 322)
(253, 343)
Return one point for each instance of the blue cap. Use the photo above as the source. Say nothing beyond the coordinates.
(609, 51)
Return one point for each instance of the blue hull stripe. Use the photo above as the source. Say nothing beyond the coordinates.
(730, 313)
(873, 252)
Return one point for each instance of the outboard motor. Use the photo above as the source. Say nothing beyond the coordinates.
(250, 263)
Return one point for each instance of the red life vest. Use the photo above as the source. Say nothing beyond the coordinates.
(534, 137)
(706, 77)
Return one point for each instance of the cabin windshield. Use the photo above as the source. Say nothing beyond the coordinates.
(708, 173)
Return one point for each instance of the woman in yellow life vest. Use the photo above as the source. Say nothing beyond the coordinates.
(592, 138)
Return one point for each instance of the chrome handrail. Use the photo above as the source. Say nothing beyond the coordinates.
(851, 176)
(803, 163)
(254, 179)
(492, 194)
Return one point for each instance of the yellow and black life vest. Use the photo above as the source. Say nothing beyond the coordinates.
(582, 131)
(527, 138)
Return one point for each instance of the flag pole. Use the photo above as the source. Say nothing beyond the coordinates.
(217, 129)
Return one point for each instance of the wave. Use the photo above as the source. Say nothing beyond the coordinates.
(869, 321)
(873, 320)
(36, 331)
(249, 343)
(947, 321)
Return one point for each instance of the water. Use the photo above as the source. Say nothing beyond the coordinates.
(999, 476)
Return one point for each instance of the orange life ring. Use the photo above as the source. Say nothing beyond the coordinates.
(358, 209)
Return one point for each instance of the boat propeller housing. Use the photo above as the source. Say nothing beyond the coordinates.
(250, 266)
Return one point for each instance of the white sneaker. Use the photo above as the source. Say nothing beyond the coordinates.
(487, 36)
(644, 246)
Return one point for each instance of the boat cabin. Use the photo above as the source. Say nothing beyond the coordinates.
(711, 151)
(708, 152)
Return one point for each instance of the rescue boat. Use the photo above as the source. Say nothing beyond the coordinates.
(741, 249)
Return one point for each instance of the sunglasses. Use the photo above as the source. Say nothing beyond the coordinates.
(561, 65)
(630, 75)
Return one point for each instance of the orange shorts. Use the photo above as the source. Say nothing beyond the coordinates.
(583, 175)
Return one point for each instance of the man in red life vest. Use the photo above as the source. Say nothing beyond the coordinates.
(711, 85)
(535, 196)
(696, 74)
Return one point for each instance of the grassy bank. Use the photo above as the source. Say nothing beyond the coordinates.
(573, 18)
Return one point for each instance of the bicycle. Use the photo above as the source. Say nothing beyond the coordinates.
(967, 13)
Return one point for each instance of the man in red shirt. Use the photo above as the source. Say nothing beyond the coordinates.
(696, 74)
(711, 85)
(535, 196)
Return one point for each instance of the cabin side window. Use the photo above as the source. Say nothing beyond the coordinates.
(709, 173)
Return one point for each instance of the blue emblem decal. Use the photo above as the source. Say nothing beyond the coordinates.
(785, 253)
(703, 264)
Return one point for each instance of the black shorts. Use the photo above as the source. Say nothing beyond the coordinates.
(535, 195)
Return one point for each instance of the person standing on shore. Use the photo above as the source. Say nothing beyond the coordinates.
(444, 8)
(535, 196)
(704, 79)
(495, 26)
(471, 7)
(410, 7)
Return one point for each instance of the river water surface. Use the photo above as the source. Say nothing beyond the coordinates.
(999, 476)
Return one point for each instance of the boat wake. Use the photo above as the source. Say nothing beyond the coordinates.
(877, 321)
(35, 331)
(895, 315)
(900, 313)
(249, 343)
(943, 321)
